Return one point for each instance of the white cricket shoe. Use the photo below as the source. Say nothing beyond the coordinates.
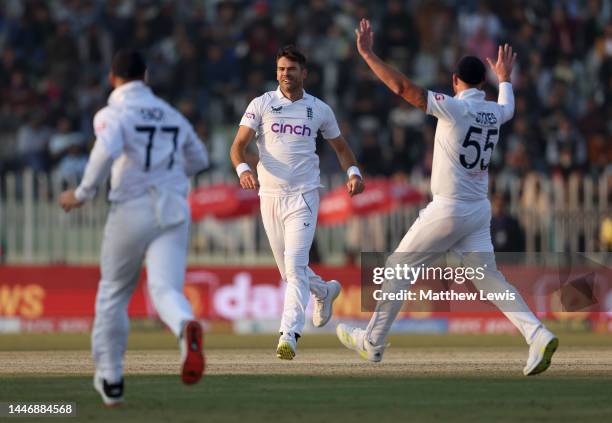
(287, 345)
(541, 351)
(111, 393)
(323, 307)
(354, 339)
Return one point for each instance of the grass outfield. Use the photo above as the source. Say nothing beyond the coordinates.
(260, 398)
(423, 378)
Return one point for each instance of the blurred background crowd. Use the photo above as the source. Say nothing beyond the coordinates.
(210, 58)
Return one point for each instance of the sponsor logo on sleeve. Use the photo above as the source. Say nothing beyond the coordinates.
(439, 97)
(249, 115)
(100, 127)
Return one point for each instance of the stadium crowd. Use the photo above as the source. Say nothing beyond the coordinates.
(210, 58)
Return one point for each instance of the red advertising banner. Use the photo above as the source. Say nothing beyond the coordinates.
(229, 293)
(222, 201)
(382, 196)
(48, 298)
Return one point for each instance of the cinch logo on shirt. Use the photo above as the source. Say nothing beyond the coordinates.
(287, 128)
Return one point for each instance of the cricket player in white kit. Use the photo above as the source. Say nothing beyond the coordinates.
(286, 122)
(150, 149)
(458, 218)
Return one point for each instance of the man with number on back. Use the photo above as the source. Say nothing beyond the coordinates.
(458, 219)
(286, 122)
(150, 150)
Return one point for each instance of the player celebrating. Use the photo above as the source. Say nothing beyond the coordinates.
(459, 216)
(287, 121)
(150, 150)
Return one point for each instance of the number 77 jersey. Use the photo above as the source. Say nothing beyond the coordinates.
(150, 143)
(466, 135)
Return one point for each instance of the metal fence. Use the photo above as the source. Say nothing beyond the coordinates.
(556, 216)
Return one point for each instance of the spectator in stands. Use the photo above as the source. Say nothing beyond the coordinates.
(32, 142)
(566, 149)
(67, 148)
(54, 56)
(506, 232)
(219, 49)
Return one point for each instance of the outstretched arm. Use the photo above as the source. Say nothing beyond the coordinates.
(394, 79)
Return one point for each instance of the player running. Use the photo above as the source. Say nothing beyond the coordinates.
(150, 149)
(286, 122)
(458, 218)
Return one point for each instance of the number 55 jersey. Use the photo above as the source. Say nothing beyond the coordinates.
(145, 143)
(466, 135)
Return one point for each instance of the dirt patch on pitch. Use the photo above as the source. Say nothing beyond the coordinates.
(586, 361)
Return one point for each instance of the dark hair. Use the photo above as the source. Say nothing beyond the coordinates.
(128, 64)
(471, 70)
(292, 53)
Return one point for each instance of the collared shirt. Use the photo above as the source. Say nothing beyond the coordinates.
(286, 139)
(145, 142)
(466, 134)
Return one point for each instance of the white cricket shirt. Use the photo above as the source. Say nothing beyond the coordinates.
(147, 142)
(286, 132)
(466, 134)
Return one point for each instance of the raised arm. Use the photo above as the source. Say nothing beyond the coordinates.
(394, 79)
(503, 70)
(238, 156)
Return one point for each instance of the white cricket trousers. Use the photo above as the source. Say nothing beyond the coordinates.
(290, 223)
(133, 232)
(464, 228)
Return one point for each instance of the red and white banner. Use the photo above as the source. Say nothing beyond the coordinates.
(61, 298)
(380, 196)
(222, 201)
